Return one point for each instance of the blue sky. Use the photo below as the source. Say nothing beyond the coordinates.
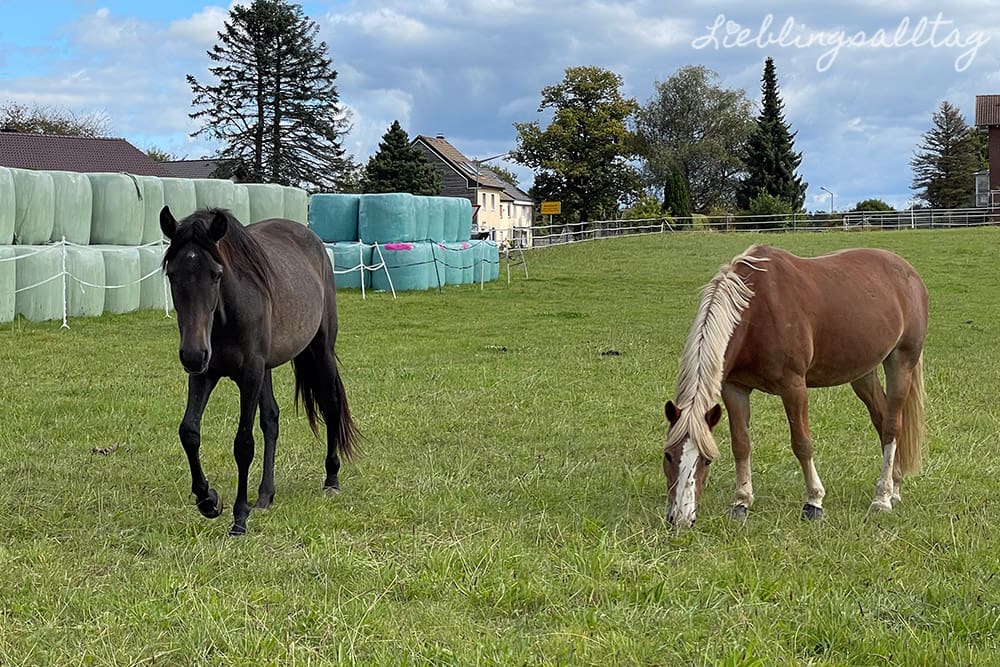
(859, 81)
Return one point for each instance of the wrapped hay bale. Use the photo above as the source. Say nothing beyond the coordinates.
(435, 218)
(349, 260)
(266, 201)
(421, 218)
(38, 282)
(410, 266)
(214, 193)
(456, 260)
(34, 206)
(486, 261)
(152, 295)
(122, 270)
(334, 217)
(180, 196)
(8, 283)
(451, 218)
(296, 204)
(386, 218)
(152, 203)
(241, 203)
(463, 212)
(85, 282)
(7, 207)
(72, 210)
(117, 209)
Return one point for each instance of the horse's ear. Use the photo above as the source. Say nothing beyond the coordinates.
(218, 227)
(167, 223)
(672, 412)
(714, 415)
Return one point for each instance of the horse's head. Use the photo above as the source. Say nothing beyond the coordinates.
(194, 267)
(689, 450)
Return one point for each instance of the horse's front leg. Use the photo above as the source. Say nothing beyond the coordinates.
(243, 445)
(269, 427)
(200, 387)
(796, 401)
(737, 400)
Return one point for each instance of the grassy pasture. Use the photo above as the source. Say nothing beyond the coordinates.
(510, 506)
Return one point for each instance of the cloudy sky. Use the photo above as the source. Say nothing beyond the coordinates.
(859, 81)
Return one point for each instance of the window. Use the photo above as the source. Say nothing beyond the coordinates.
(484, 200)
(493, 202)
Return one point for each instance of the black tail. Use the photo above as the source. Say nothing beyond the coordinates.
(309, 380)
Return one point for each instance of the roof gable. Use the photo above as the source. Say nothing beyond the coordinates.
(461, 164)
(49, 152)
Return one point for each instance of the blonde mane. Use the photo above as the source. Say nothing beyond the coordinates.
(699, 382)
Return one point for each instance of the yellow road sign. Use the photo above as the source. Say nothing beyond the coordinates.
(551, 207)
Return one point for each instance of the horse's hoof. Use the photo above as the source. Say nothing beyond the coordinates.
(264, 502)
(738, 513)
(238, 530)
(331, 491)
(811, 512)
(880, 506)
(210, 507)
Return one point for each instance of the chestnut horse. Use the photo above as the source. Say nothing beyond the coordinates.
(247, 300)
(772, 321)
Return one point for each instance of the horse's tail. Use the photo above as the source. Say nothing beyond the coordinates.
(910, 441)
(309, 379)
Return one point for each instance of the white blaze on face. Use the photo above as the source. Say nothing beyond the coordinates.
(685, 502)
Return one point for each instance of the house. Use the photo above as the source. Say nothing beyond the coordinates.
(517, 213)
(498, 207)
(192, 168)
(988, 119)
(25, 150)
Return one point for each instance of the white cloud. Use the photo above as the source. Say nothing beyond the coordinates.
(202, 27)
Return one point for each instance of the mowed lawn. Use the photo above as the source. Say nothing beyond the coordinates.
(509, 508)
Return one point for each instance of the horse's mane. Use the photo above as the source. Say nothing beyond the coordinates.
(237, 251)
(699, 382)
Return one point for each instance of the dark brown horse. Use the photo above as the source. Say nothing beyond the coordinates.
(247, 300)
(779, 323)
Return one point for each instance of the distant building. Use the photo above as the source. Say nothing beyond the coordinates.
(49, 152)
(988, 118)
(498, 206)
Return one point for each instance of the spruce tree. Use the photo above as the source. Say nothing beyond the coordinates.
(676, 198)
(398, 166)
(948, 156)
(273, 104)
(771, 159)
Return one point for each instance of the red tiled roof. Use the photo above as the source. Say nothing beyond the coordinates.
(191, 168)
(459, 162)
(83, 154)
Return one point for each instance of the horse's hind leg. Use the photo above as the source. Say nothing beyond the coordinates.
(269, 427)
(898, 378)
(737, 400)
(796, 401)
(869, 390)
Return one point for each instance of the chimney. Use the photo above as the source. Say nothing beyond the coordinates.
(439, 136)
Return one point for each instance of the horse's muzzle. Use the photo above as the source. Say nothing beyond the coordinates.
(194, 361)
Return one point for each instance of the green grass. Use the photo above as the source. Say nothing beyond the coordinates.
(510, 506)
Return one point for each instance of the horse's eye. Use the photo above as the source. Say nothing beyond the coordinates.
(668, 457)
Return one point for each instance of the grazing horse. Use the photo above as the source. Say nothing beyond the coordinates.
(772, 321)
(249, 299)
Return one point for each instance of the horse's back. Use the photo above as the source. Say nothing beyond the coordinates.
(303, 299)
(831, 317)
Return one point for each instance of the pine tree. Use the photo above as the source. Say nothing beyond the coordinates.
(675, 195)
(948, 156)
(274, 106)
(398, 166)
(771, 159)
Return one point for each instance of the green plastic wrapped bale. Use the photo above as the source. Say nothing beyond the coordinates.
(39, 282)
(296, 204)
(214, 193)
(8, 211)
(266, 201)
(152, 203)
(72, 210)
(435, 218)
(118, 209)
(421, 218)
(333, 217)
(85, 282)
(463, 211)
(451, 218)
(410, 266)
(152, 295)
(122, 271)
(241, 203)
(8, 282)
(180, 196)
(455, 260)
(350, 260)
(486, 261)
(34, 206)
(387, 218)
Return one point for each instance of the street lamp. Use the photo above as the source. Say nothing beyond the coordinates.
(831, 197)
